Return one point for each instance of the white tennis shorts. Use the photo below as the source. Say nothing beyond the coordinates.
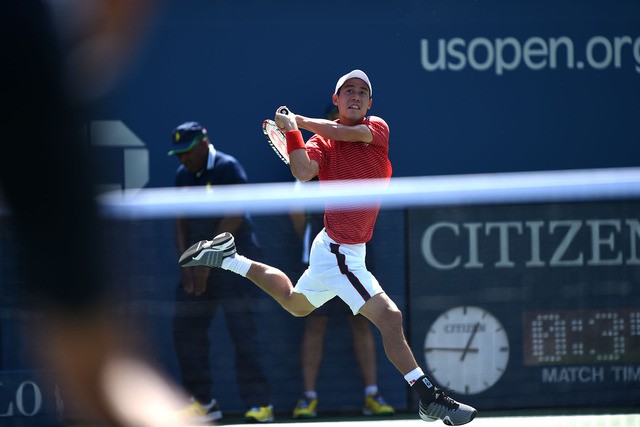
(337, 270)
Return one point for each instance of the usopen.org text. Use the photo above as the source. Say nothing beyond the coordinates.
(534, 53)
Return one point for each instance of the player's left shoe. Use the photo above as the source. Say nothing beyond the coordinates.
(374, 404)
(209, 252)
(259, 414)
(443, 407)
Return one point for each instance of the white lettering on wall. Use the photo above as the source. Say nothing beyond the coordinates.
(532, 244)
(535, 53)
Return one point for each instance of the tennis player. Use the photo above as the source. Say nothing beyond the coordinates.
(353, 147)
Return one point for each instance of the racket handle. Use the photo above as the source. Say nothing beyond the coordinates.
(284, 111)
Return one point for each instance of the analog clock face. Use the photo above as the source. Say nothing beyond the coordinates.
(466, 350)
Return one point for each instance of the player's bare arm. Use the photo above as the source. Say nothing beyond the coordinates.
(302, 167)
(336, 131)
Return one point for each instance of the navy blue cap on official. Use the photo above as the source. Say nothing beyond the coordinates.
(186, 136)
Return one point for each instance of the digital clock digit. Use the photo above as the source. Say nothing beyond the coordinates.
(571, 337)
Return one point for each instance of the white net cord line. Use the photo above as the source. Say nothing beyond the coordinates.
(516, 187)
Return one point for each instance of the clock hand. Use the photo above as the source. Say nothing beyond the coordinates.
(473, 334)
(469, 350)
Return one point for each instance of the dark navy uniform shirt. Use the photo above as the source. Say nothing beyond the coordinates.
(225, 170)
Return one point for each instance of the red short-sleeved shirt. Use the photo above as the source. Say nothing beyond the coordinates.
(341, 160)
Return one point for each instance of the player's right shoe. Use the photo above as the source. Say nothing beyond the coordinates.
(443, 407)
(306, 407)
(197, 413)
(209, 252)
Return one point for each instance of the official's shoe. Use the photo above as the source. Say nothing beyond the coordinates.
(444, 408)
(259, 414)
(306, 407)
(209, 252)
(198, 413)
(374, 404)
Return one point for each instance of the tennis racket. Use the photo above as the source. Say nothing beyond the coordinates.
(276, 138)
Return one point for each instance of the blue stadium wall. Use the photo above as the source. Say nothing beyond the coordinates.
(466, 87)
(473, 86)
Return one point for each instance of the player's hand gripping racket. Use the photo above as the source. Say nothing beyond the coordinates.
(276, 138)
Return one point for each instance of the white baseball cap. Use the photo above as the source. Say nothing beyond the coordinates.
(358, 74)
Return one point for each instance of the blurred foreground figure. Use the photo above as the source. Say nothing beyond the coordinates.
(53, 72)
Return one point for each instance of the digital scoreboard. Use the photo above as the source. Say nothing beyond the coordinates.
(524, 306)
(579, 337)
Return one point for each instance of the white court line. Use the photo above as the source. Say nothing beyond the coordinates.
(615, 420)
(603, 420)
